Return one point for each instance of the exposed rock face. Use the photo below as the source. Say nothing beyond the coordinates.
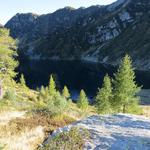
(1, 26)
(98, 33)
(22, 24)
(114, 132)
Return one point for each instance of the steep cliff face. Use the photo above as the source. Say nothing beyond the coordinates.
(98, 33)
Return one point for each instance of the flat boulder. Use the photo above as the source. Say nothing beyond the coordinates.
(114, 132)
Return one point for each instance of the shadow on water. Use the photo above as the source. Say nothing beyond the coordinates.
(76, 75)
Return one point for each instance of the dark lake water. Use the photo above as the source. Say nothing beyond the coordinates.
(76, 75)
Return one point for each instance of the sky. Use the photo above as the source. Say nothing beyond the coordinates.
(8, 8)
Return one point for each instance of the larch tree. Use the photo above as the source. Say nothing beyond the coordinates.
(22, 81)
(8, 61)
(52, 87)
(82, 102)
(42, 93)
(104, 97)
(8, 54)
(125, 88)
(65, 92)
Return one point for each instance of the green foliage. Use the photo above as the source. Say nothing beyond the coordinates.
(42, 91)
(7, 55)
(125, 88)
(1, 147)
(43, 94)
(104, 97)
(53, 104)
(57, 105)
(65, 92)
(10, 95)
(82, 101)
(50, 100)
(52, 87)
(72, 140)
(22, 81)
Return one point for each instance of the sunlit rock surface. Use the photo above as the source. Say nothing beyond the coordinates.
(114, 132)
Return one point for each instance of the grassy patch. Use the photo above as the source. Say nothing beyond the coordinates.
(49, 123)
(32, 129)
(77, 113)
(146, 110)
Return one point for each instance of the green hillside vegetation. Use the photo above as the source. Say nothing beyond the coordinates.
(50, 108)
(119, 95)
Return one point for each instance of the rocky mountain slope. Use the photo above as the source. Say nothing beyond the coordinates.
(114, 132)
(97, 34)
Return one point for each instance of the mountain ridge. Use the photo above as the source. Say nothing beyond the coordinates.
(98, 33)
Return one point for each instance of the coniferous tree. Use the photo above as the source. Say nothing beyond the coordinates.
(104, 97)
(82, 101)
(7, 61)
(42, 93)
(65, 92)
(47, 91)
(57, 105)
(7, 54)
(22, 81)
(52, 87)
(125, 88)
(42, 90)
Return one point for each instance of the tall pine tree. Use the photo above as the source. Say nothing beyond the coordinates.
(82, 101)
(104, 97)
(125, 88)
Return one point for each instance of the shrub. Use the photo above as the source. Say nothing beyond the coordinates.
(10, 95)
(66, 93)
(22, 81)
(82, 101)
(56, 105)
(72, 140)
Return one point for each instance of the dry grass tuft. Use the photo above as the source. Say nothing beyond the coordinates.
(78, 114)
(19, 132)
(27, 140)
(146, 110)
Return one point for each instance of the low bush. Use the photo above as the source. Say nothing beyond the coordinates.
(10, 95)
(53, 105)
(72, 140)
(57, 105)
